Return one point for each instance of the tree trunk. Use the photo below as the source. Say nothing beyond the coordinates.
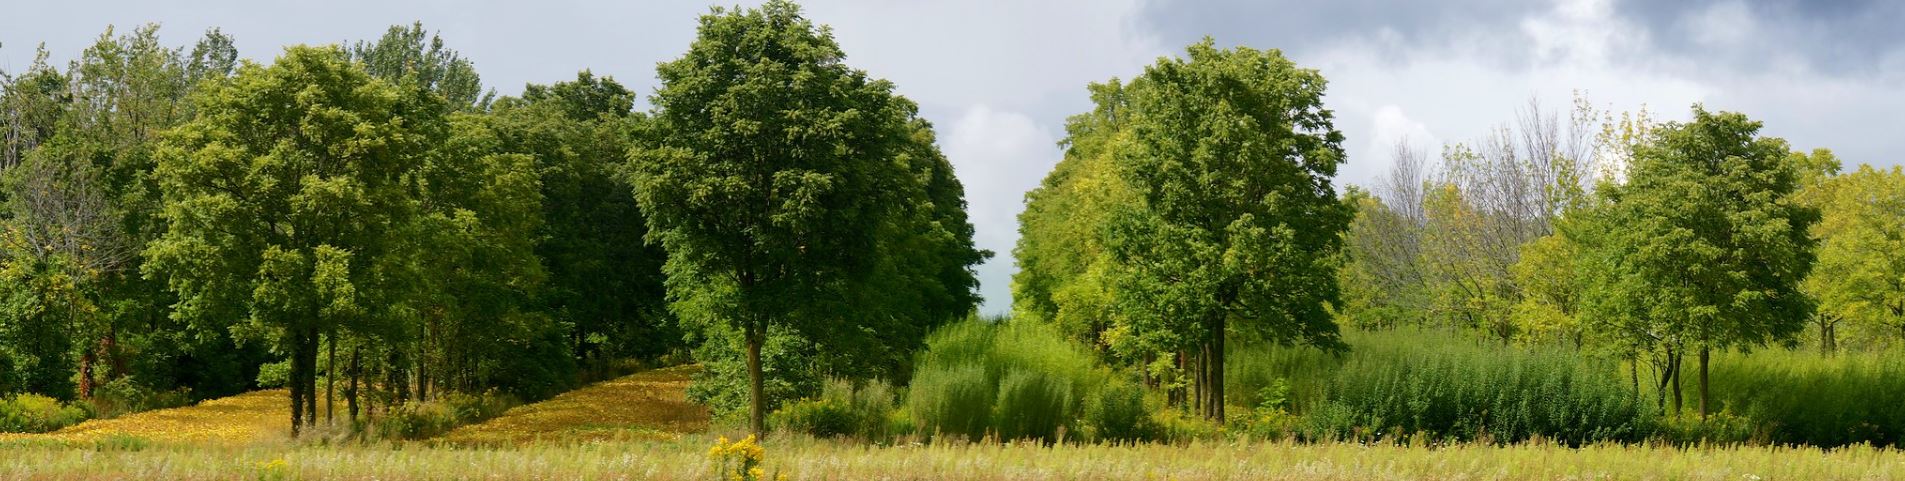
(1705, 353)
(296, 380)
(330, 380)
(350, 391)
(1674, 361)
(1217, 372)
(757, 404)
(310, 376)
(1197, 378)
(86, 361)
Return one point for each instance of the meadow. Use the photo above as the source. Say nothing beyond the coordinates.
(804, 458)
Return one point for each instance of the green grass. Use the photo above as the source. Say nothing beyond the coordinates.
(1447, 386)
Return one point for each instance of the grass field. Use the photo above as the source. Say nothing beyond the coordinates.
(806, 459)
(641, 427)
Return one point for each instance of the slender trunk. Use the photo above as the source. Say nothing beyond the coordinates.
(1674, 372)
(330, 380)
(297, 382)
(350, 391)
(310, 376)
(757, 405)
(86, 361)
(1217, 372)
(1633, 375)
(1705, 353)
(1197, 378)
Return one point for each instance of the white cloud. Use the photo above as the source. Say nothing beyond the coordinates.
(998, 155)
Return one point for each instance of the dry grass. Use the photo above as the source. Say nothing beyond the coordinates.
(646, 405)
(805, 459)
(641, 427)
(250, 418)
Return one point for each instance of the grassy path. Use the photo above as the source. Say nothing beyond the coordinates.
(646, 405)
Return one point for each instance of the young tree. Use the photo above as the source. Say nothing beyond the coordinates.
(769, 170)
(1704, 244)
(286, 204)
(1239, 227)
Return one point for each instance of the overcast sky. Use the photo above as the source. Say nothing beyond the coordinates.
(998, 77)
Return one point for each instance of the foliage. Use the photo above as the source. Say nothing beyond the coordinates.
(868, 412)
(1009, 379)
(428, 419)
(1703, 247)
(777, 178)
(1477, 394)
(722, 384)
(33, 413)
(1860, 277)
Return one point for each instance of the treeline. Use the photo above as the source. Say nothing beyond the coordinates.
(368, 224)
(1193, 209)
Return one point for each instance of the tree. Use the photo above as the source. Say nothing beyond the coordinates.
(1704, 245)
(286, 204)
(769, 170)
(604, 281)
(1860, 276)
(1239, 227)
(1064, 270)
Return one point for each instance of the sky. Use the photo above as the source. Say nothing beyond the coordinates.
(998, 77)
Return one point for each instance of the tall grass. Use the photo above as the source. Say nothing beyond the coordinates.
(1018, 380)
(1405, 384)
(1802, 397)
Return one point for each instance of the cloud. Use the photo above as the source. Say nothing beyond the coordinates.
(998, 155)
(999, 76)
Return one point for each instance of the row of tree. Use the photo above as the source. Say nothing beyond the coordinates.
(1632, 240)
(371, 216)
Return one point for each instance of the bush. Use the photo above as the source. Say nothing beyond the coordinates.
(722, 385)
(421, 420)
(1015, 380)
(124, 396)
(1119, 413)
(33, 413)
(867, 412)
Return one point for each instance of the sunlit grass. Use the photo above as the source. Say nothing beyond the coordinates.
(651, 404)
(800, 458)
(259, 416)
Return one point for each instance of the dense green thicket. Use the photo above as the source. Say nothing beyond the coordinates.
(1016, 380)
(1396, 385)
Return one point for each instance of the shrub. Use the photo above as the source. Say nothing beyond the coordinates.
(866, 412)
(1119, 413)
(125, 395)
(1391, 388)
(1016, 380)
(33, 413)
(420, 420)
(722, 384)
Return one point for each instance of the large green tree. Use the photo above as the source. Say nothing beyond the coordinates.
(773, 175)
(1239, 227)
(286, 204)
(1703, 247)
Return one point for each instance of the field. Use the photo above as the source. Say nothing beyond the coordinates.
(640, 427)
(807, 459)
